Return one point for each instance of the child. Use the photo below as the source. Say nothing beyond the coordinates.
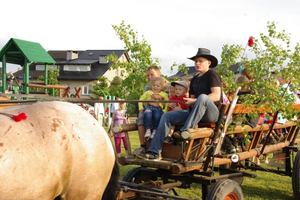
(181, 89)
(152, 72)
(153, 111)
(171, 91)
(119, 117)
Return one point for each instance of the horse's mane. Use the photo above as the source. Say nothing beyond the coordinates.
(113, 185)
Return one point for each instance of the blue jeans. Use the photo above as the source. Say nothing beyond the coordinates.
(152, 114)
(204, 110)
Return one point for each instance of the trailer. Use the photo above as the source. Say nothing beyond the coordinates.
(196, 156)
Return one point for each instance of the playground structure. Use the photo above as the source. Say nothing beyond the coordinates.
(21, 52)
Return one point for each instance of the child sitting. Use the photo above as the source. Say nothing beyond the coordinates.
(171, 91)
(153, 111)
(181, 89)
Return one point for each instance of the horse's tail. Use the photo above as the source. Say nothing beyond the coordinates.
(112, 188)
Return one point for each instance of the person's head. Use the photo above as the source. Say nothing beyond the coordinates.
(171, 91)
(250, 76)
(152, 72)
(86, 108)
(181, 88)
(158, 84)
(10, 73)
(101, 98)
(243, 81)
(204, 60)
(122, 106)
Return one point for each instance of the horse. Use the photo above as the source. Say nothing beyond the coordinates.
(56, 150)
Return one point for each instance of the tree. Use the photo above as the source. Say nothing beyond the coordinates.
(100, 87)
(271, 59)
(140, 54)
(139, 51)
(115, 88)
(52, 80)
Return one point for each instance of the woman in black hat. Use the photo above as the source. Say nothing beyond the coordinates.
(205, 95)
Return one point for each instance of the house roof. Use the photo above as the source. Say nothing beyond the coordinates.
(94, 54)
(191, 72)
(88, 57)
(61, 56)
(16, 50)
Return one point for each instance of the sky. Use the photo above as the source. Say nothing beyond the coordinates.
(175, 29)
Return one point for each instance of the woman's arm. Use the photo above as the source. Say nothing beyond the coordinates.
(215, 94)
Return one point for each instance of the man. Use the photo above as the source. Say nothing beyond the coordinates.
(99, 111)
(152, 72)
(204, 97)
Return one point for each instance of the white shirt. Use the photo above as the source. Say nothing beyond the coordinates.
(98, 109)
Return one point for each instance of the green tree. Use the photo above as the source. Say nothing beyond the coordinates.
(100, 87)
(140, 54)
(272, 56)
(115, 88)
(52, 80)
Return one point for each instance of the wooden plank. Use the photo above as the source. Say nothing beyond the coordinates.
(242, 109)
(263, 127)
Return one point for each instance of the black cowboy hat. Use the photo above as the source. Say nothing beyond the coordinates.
(205, 53)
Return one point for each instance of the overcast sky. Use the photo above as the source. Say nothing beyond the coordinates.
(174, 29)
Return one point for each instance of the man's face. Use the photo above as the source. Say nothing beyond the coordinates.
(202, 64)
(151, 74)
(101, 98)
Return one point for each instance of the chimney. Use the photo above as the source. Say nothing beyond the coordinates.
(71, 55)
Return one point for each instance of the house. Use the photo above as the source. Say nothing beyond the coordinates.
(180, 75)
(79, 69)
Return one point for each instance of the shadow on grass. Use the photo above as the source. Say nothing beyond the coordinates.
(260, 191)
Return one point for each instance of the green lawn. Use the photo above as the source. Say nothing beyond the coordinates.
(265, 186)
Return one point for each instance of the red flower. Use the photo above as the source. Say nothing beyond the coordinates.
(23, 116)
(250, 41)
(17, 118)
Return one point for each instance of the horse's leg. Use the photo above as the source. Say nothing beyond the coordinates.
(113, 184)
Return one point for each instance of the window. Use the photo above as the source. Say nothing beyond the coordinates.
(102, 60)
(86, 90)
(42, 67)
(78, 68)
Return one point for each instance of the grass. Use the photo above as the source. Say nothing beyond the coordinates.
(265, 186)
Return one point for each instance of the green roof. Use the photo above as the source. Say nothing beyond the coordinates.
(16, 50)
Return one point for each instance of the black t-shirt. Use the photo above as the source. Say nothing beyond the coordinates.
(202, 84)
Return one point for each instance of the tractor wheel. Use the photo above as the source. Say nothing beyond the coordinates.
(225, 190)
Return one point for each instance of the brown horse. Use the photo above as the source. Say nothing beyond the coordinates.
(58, 152)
